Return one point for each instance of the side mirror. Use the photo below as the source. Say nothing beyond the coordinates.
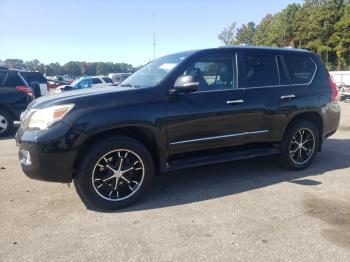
(185, 84)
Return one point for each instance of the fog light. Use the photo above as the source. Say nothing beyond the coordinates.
(24, 157)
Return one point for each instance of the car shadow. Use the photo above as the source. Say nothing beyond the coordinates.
(214, 181)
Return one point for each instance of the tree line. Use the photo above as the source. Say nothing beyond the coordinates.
(322, 26)
(72, 68)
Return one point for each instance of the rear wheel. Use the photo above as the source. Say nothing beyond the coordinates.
(300, 145)
(6, 123)
(114, 173)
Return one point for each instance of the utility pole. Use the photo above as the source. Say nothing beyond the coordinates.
(154, 36)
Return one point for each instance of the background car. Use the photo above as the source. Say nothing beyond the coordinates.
(117, 78)
(86, 82)
(15, 95)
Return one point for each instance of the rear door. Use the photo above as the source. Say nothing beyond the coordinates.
(266, 85)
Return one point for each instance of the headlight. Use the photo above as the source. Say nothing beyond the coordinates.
(43, 118)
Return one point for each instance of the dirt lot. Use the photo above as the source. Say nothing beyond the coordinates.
(249, 210)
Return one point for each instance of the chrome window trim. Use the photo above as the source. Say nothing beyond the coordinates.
(278, 71)
(313, 77)
(237, 75)
(219, 137)
(255, 87)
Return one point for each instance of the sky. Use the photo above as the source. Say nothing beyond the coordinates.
(119, 30)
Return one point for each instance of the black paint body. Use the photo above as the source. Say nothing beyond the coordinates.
(175, 126)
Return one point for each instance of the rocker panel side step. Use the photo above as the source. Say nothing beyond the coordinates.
(220, 158)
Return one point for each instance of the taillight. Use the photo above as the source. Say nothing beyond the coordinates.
(25, 89)
(334, 88)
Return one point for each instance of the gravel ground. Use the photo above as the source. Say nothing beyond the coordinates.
(250, 210)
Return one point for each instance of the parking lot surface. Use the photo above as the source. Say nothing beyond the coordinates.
(250, 210)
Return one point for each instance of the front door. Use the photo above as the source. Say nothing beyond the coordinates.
(213, 116)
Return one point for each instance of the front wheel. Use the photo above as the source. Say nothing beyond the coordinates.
(300, 145)
(114, 173)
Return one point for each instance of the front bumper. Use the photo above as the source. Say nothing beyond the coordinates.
(47, 155)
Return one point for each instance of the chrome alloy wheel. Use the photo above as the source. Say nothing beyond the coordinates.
(3, 124)
(118, 175)
(302, 146)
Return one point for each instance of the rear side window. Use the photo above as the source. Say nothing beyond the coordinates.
(96, 81)
(107, 80)
(301, 68)
(13, 79)
(33, 77)
(259, 70)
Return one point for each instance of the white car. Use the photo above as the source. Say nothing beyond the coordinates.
(86, 82)
(117, 78)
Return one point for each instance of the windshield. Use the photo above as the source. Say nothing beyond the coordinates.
(75, 82)
(154, 72)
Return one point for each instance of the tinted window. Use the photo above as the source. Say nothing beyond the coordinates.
(259, 70)
(301, 69)
(107, 80)
(2, 76)
(13, 79)
(96, 81)
(213, 73)
(33, 77)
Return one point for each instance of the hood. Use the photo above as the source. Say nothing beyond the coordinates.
(77, 96)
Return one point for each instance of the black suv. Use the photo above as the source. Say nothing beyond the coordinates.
(17, 90)
(183, 110)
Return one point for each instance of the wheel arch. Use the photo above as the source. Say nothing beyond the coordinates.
(6, 108)
(312, 116)
(142, 134)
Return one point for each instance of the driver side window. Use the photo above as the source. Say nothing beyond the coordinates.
(213, 73)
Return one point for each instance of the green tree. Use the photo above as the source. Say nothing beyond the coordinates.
(54, 69)
(341, 39)
(90, 69)
(102, 68)
(34, 65)
(262, 34)
(245, 34)
(319, 25)
(72, 68)
(14, 63)
(228, 35)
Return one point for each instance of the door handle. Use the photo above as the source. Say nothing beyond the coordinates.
(233, 102)
(289, 97)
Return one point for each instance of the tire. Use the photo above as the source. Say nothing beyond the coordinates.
(291, 145)
(6, 123)
(98, 181)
